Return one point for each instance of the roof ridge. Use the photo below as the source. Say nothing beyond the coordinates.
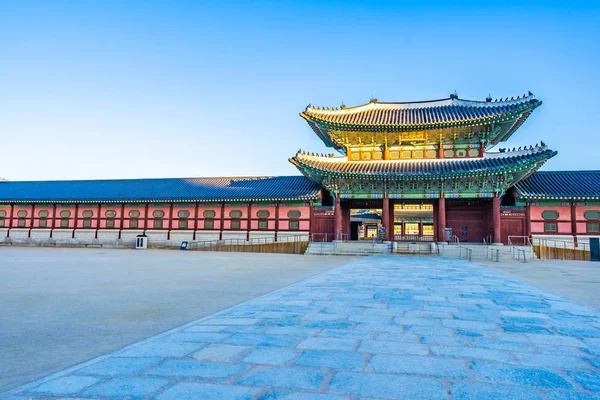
(569, 171)
(452, 100)
(158, 179)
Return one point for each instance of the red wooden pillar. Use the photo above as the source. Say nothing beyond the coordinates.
(196, 207)
(277, 220)
(528, 220)
(32, 220)
(222, 223)
(346, 221)
(385, 217)
(311, 227)
(249, 223)
(441, 219)
(574, 222)
(76, 219)
(337, 215)
(496, 219)
(391, 205)
(98, 220)
(435, 221)
(170, 223)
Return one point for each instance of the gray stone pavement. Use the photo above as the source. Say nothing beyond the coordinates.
(378, 327)
(577, 280)
(61, 307)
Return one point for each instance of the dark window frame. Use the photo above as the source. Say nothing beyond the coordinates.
(595, 223)
(550, 223)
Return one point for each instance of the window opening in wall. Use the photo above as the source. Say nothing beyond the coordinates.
(183, 215)
(2, 216)
(133, 221)
(64, 218)
(21, 221)
(550, 223)
(43, 221)
(593, 221)
(110, 218)
(263, 223)
(235, 216)
(87, 218)
(294, 216)
(158, 215)
(209, 216)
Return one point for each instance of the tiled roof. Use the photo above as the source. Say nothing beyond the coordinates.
(170, 189)
(399, 169)
(449, 112)
(566, 185)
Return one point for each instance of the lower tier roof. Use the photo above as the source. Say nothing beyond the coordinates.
(560, 185)
(276, 188)
(340, 167)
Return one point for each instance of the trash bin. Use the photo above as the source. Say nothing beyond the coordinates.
(141, 242)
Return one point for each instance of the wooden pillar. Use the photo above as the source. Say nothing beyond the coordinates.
(574, 222)
(146, 210)
(337, 215)
(75, 222)
(391, 205)
(441, 219)
(170, 223)
(53, 220)
(435, 221)
(196, 209)
(32, 220)
(346, 221)
(311, 226)
(98, 220)
(385, 217)
(222, 223)
(528, 220)
(496, 219)
(249, 222)
(277, 220)
(121, 222)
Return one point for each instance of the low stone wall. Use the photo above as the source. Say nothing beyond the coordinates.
(126, 238)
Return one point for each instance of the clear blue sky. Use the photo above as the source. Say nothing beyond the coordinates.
(124, 89)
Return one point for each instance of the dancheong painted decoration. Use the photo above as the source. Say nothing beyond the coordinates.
(412, 171)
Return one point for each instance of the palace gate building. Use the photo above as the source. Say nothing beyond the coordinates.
(417, 171)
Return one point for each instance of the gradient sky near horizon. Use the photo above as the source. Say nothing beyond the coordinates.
(134, 89)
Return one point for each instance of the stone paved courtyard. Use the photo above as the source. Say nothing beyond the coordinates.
(379, 327)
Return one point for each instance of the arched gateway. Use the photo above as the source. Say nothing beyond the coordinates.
(423, 165)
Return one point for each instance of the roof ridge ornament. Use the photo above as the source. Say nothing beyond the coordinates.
(489, 98)
(454, 96)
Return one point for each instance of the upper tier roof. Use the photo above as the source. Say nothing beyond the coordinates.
(419, 116)
(169, 190)
(561, 185)
(423, 168)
